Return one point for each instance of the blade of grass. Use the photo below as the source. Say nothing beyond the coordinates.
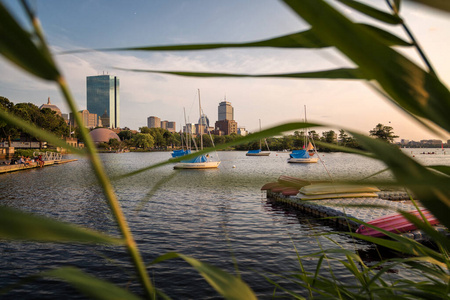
(430, 188)
(304, 39)
(230, 287)
(443, 5)
(17, 225)
(17, 46)
(89, 285)
(372, 12)
(343, 73)
(410, 86)
(37, 132)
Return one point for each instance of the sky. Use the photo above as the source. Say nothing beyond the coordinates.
(89, 24)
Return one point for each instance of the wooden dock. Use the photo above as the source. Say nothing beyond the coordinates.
(340, 212)
(33, 165)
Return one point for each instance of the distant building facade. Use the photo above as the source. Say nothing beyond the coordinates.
(103, 99)
(153, 122)
(226, 111)
(227, 127)
(89, 120)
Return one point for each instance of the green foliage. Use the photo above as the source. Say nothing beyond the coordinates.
(383, 133)
(143, 140)
(416, 91)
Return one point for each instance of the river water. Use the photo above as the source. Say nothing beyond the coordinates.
(218, 216)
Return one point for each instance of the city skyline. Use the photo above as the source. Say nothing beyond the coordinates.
(341, 104)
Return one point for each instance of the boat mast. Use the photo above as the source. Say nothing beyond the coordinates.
(188, 141)
(201, 121)
(306, 132)
(260, 147)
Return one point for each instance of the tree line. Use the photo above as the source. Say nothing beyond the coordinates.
(161, 139)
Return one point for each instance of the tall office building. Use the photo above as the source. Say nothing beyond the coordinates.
(103, 98)
(153, 122)
(226, 111)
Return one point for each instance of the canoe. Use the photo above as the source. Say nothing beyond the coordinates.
(331, 188)
(395, 223)
(302, 196)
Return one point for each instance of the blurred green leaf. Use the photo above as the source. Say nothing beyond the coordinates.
(410, 86)
(439, 4)
(89, 285)
(37, 132)
(442, 169)
(273, 131)
(372, 12)
(17, 46)
(229, 286)
(343, 73)
(430, 188)
(304, 39)
(16, 225)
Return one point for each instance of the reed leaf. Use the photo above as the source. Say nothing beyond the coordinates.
(18, 225)
(430, 188)
(307, 39)
(89, 285)
(342, 73)
(443, 5)
(273, 131)
(37, 132)
(410, 87)
(17, 46)
(372, 12)
(443, 169)
(230, 287)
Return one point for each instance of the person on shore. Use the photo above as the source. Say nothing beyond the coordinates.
(40, 161)
(22, 161)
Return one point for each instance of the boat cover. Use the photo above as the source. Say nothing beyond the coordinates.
(254, 151)
(178, 153)
(198, 159)
(299, 154)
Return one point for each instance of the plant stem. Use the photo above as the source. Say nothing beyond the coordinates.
(413, 40)
(112, 200)
(99, 171)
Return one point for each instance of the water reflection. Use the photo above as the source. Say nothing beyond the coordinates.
(214, 215)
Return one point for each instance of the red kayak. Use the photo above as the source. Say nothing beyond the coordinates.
(395, 223)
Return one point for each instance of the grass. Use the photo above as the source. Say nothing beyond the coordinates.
(415, 90)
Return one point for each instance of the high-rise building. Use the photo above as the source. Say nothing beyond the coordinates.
(153, 122)
(89, 120)
(226, 111)
(102, 95)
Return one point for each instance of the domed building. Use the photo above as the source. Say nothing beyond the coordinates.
(103, 135)
(51, 106)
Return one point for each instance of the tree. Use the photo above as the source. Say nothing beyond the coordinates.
(7, 131)
(384, 133)
(143, 140)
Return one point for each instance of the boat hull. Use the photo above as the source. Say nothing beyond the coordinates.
(258, 154)
(199, 165)
(303, 160)
(395, 223)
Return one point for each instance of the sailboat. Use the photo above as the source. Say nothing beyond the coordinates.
(304, 155)
(182, 151)
(258, 152)
(201, 161)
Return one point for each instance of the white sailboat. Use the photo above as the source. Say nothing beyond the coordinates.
(201, 161)
(304, 155)
(259, 152)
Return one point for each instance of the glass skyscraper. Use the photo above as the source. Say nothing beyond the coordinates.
(102, 95)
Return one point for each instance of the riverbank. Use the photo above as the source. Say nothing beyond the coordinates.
(33, 165)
